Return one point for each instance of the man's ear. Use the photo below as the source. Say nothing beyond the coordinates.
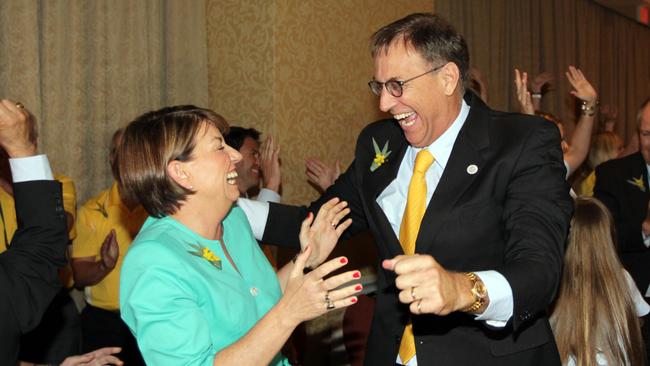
(450, 74)
(178, 172)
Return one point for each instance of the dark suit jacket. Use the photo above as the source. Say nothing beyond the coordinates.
(511, 216)
(628, 204)
(28, 269)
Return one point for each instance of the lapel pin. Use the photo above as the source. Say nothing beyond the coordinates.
(472, 169)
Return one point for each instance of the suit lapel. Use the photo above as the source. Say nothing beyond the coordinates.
(375, 182)
(465, 158)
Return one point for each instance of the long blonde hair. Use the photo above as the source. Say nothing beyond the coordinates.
(605, 146)
(594, 312)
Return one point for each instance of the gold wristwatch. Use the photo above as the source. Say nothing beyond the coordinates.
(478, 291)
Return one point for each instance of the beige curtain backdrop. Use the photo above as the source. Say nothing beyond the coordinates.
(85, 68)
(298, 69)
(550, 35)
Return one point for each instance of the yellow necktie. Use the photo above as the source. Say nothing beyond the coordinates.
(416, 203)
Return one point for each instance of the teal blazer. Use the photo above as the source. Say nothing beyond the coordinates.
(181, 307)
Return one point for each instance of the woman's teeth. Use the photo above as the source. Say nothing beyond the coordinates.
(231, 178)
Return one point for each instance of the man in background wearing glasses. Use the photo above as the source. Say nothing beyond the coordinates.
(468, 206)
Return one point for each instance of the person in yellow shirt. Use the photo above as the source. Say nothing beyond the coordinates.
(106, 225)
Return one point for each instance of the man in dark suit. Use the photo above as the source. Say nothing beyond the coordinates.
(494, 213)
(622, 185)
(28, 268)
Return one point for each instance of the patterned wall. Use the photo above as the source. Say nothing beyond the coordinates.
(298, 70)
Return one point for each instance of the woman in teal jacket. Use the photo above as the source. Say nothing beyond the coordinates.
(195, 287)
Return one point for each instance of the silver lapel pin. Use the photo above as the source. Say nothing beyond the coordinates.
(472, 169)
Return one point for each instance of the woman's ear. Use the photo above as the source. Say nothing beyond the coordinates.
(178, 172)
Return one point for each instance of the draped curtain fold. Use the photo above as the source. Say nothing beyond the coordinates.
(85, 68)
(550, 35)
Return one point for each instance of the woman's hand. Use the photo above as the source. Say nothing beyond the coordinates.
(582, 89)
(98, 357)
(325, 231)
(307, 296)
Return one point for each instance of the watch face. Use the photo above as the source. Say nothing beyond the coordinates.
(480, 290)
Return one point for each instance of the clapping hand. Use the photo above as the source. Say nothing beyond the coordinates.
(307, 296)
(109, 251)
(323, 232)
(270, 165)
(523, 95)
(582, 88)
(321, 174)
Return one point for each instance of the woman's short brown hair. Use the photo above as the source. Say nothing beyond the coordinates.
(149, 144)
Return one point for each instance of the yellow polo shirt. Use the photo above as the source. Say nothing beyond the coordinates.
(10, 224)
(95, 219)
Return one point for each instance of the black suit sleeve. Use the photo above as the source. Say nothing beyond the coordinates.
(283, 223)
(536, 217)
(28, 269)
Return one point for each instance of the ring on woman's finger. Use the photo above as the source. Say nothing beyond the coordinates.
(330, 305)
(413, 293)
(327, 297)
(333, 224)
(419, 306)
(20, 105)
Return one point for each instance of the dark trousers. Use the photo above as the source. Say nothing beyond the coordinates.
(103, 328)
(57, 336)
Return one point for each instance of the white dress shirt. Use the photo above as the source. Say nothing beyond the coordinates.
(35, 167)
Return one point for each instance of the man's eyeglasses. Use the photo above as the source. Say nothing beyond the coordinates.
(395, 87)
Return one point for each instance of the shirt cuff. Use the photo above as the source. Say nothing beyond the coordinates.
(35, 167)
(500, 308)
(646, 239)
(268, 195)
(256, 212)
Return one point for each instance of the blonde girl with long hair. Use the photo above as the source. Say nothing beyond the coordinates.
(595, 317)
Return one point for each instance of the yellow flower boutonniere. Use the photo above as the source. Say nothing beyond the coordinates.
(205, 253)
(380, 155)
(638, 182)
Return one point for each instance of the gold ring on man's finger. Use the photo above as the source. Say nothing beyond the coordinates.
(413, 293)
(419, 306)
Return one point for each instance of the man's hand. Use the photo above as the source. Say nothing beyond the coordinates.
(109, 251)
(270, 165)
(16, 126)
(321, 174)
(523, 95)
(427, 286)
(541, 80)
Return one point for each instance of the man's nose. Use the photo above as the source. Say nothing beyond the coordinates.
(386, 101)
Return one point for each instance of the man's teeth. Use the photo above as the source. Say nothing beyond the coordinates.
(231, 177)
(402, 117)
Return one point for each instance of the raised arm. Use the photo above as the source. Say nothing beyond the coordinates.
(28, 269)
(523, 95)
(581, 138)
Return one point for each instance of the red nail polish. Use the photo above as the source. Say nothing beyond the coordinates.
(356, 274)
(353, 300)
(344, 260)
(358, 288)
